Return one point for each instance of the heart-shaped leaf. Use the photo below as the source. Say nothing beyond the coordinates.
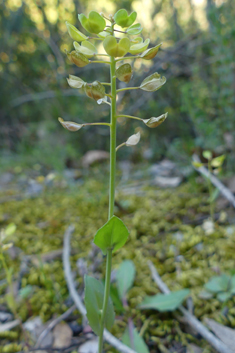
(122, 19)
(86, 48)
(155, 121)
(113, 235)
(115, 49)
(153, 82)
(75, 82)
(74, 33)
(150, 53)
(165, 302)
(124, 73)
(94, 23)
(94, 294)
(139, 47)
(133, 139)
(95, 90)
(125, 277)
(134, 29)
(70, 125)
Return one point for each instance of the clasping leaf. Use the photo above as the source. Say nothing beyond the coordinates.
(113, 235)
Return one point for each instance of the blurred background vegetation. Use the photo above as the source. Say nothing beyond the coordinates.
(197, 58)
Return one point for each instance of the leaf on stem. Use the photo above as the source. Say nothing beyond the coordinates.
(153, 82)
(133, 140)
(74, 33)
(151, 52)
(125, 277)
(124, 73)
(94, 295)
(218, 161)
(155, 121)
(122, 19)
(165, 302)
(75, 82)
(207, 154)
(113, 235)
(70, 125)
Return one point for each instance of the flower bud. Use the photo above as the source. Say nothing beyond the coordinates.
(74, 33)
(154, 122)
(95, 90)
(150, 53)
(124, 73)
(70, 125)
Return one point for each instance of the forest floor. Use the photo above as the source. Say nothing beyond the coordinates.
(168, 216)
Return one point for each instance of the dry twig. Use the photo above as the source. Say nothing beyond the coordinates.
(77, 300)
(191, 319)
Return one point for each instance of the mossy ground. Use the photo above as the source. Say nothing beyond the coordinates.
(163, 228)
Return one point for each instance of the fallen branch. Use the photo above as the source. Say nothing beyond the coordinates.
(53, 324)
(191, 319)
(216, 182)
(77, 300)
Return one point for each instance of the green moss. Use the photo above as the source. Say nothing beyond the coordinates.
(182, 253)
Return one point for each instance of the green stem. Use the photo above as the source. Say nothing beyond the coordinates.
(121, 145)
(129, 116)
(107, 124)
(111, 196)
(99, 62)
(126, 89)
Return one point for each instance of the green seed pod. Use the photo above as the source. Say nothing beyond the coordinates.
(70, 125)
(75, 82)
(150, 53)
(122, 19)
(78, 59)
(74, 33)
(94, 23)
(153, 82)
(115, 49)
(134, 29)
(124, 73)
(86, 48)
(154, 122)
(95, 90)
(139, 47)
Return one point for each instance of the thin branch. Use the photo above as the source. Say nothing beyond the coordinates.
(76, 298)
(215, 181)
(53, 324)
(126, 89)
(128, 116)
(99, 62)
(191, 319)
(128, 57)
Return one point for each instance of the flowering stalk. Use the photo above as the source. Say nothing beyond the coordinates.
(114, 234)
